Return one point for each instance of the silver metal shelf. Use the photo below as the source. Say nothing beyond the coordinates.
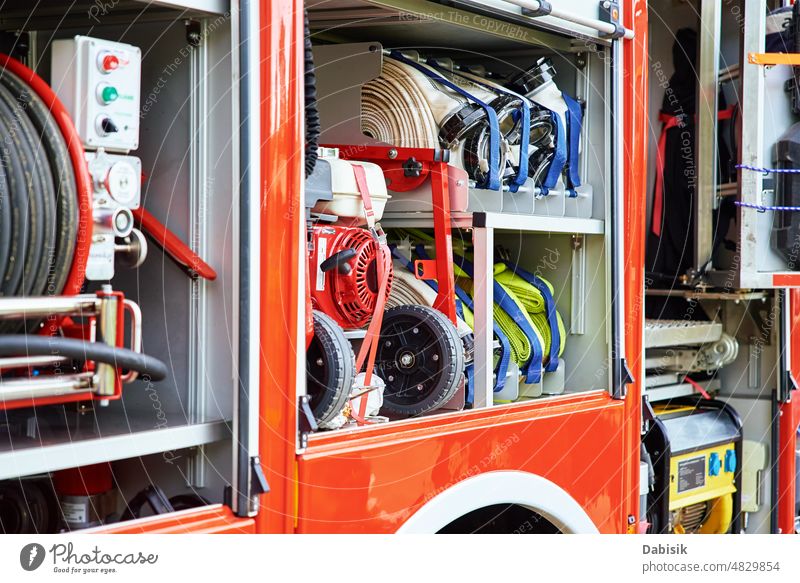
(47, 454)
(677, 390)
(666, 333)
(496, 220)
(699, 295)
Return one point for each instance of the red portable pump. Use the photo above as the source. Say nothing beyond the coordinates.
(344, 274)
(349, 280)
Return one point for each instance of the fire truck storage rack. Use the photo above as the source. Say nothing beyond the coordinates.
(573, 252)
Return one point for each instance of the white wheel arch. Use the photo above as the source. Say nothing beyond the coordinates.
(501, 487)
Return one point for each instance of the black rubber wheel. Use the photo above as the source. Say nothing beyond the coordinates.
(330, 369)
(26, 508)
(421, 359)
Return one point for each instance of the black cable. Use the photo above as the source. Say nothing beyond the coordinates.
(27, 345)
(313, 127)
(30, 186)
(5, 223)
(41, 193)
(20, 209)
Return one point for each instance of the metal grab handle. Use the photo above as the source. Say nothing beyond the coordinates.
(595, 23)
(40, 307)
(13, 362)
(136, 336)
(45, 386)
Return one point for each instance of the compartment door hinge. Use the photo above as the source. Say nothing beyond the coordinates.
(623, 378)
(258, 481)
(306, 424)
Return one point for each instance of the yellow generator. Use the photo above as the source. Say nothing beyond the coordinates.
(694, 447)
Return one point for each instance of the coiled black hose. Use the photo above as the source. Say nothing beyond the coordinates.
(28, 345)
(313, 127)
(38, 195)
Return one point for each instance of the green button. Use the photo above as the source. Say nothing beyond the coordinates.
(109, 94)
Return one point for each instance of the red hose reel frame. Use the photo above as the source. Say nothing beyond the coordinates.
(71, 329)
(83, 184)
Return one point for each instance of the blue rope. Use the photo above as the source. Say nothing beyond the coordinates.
(762, 208)
(769, 170)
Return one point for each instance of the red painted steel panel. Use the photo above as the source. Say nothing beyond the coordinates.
(282, 252)
(373, 480)
(789, 421)
(636, 125)
(216, 519)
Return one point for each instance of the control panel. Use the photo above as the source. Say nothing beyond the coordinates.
(99, 82)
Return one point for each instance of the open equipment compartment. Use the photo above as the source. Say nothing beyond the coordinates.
(719, 302)
(174, 434)
(566, 243)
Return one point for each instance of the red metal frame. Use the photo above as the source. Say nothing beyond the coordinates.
(636, 99)
(430, 165)
(283, 255)
(72, 330)
(589, 444)
(179, 251)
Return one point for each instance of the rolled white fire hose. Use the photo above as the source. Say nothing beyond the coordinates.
(395, 111)
(405, 108)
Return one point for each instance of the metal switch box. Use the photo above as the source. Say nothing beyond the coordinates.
(99, 82)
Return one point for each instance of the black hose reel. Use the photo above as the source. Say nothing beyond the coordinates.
(38, 195)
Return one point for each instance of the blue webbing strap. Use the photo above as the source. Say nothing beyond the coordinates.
(493, 179)
(574, 127)
(559, 156)
(525, 137)
(532, 370)
(550, 308)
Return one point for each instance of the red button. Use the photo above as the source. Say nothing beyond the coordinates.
(110, 63)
